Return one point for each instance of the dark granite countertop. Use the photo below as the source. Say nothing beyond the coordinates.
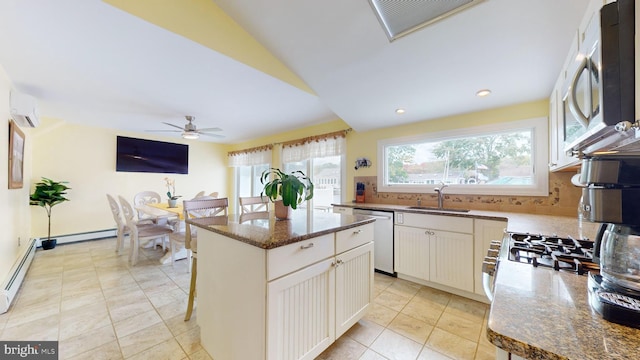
(539, 313)
(516, 222)
(264, 231)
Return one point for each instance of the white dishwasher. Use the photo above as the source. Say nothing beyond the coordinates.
(382, 239)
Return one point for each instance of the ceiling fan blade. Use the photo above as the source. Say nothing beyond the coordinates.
(211, 135)
(175, 126)
(210, 129)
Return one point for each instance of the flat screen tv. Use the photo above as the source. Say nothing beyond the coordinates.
(150, 156)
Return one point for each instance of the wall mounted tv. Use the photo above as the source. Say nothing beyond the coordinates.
(150, 156)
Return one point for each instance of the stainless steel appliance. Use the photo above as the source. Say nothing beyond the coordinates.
(610, 195)
(382, 239)
(599, 99)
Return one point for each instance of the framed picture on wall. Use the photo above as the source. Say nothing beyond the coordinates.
(16, 156)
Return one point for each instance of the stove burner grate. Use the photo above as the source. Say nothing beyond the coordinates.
(561, 254)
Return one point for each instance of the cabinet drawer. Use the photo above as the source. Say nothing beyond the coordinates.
(289, 258)
(354, 237)
(343, 210)
(439, 222)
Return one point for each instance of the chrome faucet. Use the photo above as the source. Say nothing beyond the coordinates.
(440, 192)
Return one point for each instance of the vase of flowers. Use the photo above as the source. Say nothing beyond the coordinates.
(171, 192)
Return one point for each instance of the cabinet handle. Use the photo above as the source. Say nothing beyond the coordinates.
(429, 232)
(359, 231)
(310, 245)
(337, 263)
(552, 164)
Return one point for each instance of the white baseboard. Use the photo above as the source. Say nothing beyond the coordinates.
(71, 238)
(14, 279)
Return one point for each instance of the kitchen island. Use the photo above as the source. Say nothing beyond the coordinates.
(270, 289)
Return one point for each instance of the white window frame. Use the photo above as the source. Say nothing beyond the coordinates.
(540, 155)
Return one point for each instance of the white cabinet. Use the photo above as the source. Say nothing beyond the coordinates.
(310, 308)
(300, 313)
(290, 302)
(436, 249)
(343, 210)
(484, 232)
(411, 252)
(451, 259)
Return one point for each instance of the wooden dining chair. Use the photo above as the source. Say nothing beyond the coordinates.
(253, 204)
(143, 198)
(139, 231)
(215, 210)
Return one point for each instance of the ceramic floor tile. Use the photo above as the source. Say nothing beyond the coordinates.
(136, 323)
(395, 346)
(168, 349)
(451, 345)
(372, 355)
(414, 329)
(190, 340)
(424, 310)
(144, 339)
(460, 326)
(467, 308)
(365, 331)
(392, 300)
(343, 349)
(429, 354)
(138, 312)
(108, 351)
(88, 341)
(381, 315)
(79, 320)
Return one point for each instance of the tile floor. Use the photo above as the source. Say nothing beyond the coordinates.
(87, 297)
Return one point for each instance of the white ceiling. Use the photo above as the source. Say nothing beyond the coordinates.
(90, 63)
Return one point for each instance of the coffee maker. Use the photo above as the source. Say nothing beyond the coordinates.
(611, 196)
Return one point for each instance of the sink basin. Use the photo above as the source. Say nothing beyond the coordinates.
(430, 208)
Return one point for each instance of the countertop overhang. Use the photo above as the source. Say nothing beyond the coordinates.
(264, 231)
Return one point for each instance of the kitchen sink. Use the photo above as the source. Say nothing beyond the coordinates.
(431, 208)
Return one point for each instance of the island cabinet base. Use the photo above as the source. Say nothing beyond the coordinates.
(248, 309)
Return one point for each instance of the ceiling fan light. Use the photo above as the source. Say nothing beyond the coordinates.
(190, 135)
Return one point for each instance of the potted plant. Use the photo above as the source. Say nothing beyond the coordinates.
(171, 193)
(47, 194)
(286, 190)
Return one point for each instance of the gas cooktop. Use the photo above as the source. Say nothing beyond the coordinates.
(561, 254)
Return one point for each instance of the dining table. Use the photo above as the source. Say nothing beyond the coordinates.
(161, 213)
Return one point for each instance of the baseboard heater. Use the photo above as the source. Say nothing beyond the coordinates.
(16, 275)
(91, 235)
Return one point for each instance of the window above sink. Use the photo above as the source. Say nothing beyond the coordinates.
(508, 158)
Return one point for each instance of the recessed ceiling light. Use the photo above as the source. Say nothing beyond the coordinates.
(400, 111)
(483, 92)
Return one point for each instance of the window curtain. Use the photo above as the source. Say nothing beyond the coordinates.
(331, 144)
(249, 157)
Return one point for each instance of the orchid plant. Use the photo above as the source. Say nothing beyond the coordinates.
(171, 188)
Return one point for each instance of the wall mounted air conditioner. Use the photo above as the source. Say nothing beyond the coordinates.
(24, 109)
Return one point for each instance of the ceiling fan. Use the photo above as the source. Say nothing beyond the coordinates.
(190, 131)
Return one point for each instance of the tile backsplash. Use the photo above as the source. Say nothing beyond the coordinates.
(563, 198)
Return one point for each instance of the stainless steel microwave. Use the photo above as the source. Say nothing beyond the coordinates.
(600, 92)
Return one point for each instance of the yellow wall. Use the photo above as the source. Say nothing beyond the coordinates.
(14, 203)
(86, 156)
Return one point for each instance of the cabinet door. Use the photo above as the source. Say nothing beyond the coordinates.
(301, 313)
(354, 286)
(484, 232)
(411, 252)
(451, 259)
